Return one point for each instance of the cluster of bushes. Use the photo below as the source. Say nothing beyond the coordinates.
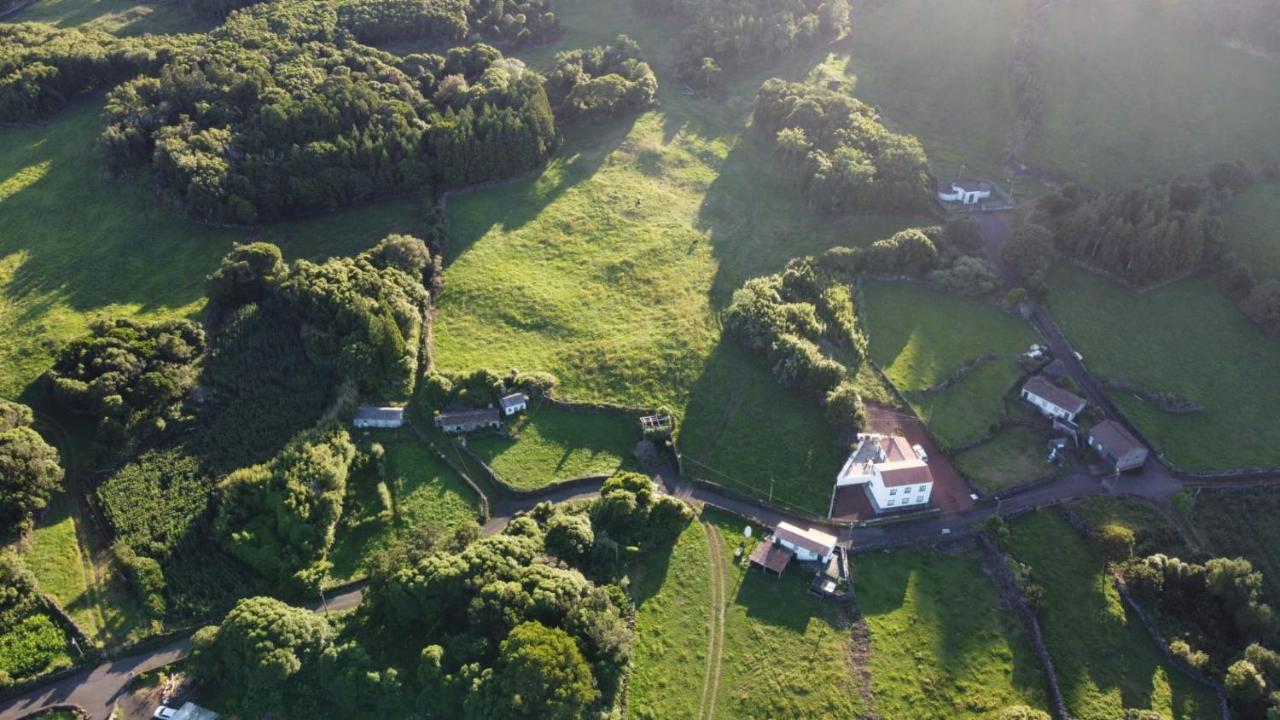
(789, 317)
(361, 316)
(1223, 624)
(29, 469)
(730, 33)
(479, 388)
(601, 82)
(279, 113)
(135, 377)
(529, 623)
(30, 641)
(846, 160)
(42, 68)
(279, 517)
(949, 256)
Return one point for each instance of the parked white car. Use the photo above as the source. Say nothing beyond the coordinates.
(164, 712)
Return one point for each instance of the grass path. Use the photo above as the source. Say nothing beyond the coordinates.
(715, 638)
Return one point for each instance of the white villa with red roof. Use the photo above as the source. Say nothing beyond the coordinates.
(894, 474)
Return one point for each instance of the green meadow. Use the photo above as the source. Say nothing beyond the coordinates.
(553, 444)
(1253, 229)
(1186, 339)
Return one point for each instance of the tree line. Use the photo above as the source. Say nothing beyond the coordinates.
(29, 468)
(838, 150)
(732, 33)
(1149, 233)
(531, 623)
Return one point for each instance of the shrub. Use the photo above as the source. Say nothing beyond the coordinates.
(604, 81)
(569, 536)
(845, 409)
(968, 276)
(1114, 542)
(146, 578)
(29, 469)
(1029, 252)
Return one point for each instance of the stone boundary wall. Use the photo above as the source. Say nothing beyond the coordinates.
(960, 374)
(69, 624)
(1161, 644)
(513, 491)
(1025, 486)
(1008, 589)
(484, 497)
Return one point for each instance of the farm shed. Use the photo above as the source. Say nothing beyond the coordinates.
(514, 403)
(1116, 445)
(1053, 401)
(807, 544)
(466, 420)
(371, 416)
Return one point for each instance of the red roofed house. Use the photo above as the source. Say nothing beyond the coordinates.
(895, 475)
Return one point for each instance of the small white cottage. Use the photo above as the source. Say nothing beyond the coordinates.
(372, 416)
(514, 403)
(965, 192)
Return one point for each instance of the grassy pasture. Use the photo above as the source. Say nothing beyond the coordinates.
(786, 652)
(1186, 339)
(932, 657)
(557, 444)
(121, 17)
(75, 246)
(1242, 523)
(1130, 95)
(939, 71)
(1253, 229)
(672, 592)
(1105, 660)
(426, 493)
(1014, 455)
(916, 338)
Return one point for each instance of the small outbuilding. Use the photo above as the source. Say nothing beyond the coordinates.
(514, 403)
(965, 192)
(468, 419)
(1053, 401)
(769, 556)
(808, 544)
(373, 416)
(1117, 446)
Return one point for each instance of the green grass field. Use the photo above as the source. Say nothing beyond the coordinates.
(122, 17)
(1242, 524)
(1105, 660)
(75, 245)
(557, 444)
(786, 652)
(1014, 455)
(672, 592)
(1153, 531)
(426, 493)
(949, 84)
(1186, 339)
(34, 646)
(933, 657)
(1130, 96)
(1253, 229)
(920, 336)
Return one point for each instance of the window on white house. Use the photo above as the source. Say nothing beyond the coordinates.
(893, 492)
(891, 501)
(922, 487)
(920, 499)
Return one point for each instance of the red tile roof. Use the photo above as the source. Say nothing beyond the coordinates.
(904, 472)
(771, 556)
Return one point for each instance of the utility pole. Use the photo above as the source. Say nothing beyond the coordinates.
(771, 489)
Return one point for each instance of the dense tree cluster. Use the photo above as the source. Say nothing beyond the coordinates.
(840, 152)
(804, 322)
(42, 68)
(29, 469)
(479, 388)
(730, 33)
(278, 112)
(526, 624)
(601, 82)
(1144, 234)
(136, 378)
(1221, 616)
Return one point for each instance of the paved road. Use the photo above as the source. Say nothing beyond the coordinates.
(97, 689)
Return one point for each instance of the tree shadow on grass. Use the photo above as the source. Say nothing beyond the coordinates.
(509, 206)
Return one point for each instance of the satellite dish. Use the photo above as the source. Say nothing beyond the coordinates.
(746, 532)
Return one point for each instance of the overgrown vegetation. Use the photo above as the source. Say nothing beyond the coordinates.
(31, 643)
(517, 628)
(29, 469)
(601, 82)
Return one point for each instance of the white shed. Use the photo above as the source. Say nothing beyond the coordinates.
(371, 416)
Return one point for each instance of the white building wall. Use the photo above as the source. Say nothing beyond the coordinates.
(1047, 407)
(892, 498)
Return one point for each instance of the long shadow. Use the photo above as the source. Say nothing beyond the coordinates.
(513, 204)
